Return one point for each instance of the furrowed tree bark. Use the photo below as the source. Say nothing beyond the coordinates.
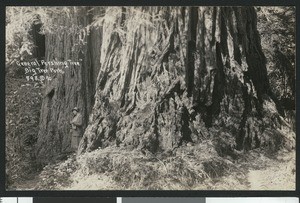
(167, 76)
(76, 87)
(203, 61)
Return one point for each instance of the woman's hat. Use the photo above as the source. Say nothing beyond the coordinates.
(75, 109)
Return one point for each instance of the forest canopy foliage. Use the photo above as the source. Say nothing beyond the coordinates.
(20, 22)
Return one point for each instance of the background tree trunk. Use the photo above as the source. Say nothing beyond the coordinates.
(76, 87)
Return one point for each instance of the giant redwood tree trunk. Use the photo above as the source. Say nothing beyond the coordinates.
(167, 76)
(170, 69)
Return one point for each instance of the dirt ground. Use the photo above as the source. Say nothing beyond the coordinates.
(266, 174)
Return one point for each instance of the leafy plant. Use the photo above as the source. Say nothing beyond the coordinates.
(20, 21)
(277, 28)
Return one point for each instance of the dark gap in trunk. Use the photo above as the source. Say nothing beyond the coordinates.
(123, 17)
(39, 49)
(218, 89)
(185, 129)
(182, 10)
(214, 20)
(191, 48)
(240, 138)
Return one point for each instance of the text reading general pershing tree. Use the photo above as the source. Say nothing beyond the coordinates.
(35, 70)
(37, 63)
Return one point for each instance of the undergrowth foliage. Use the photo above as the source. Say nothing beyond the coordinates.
(57, 175)
(194, 167)
(187, 168)
(277, 28)
(21, 128)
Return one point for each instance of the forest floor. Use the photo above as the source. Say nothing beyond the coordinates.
(253, 171)
(280, 174)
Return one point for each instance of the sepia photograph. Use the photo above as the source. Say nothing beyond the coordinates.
(150, 98)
